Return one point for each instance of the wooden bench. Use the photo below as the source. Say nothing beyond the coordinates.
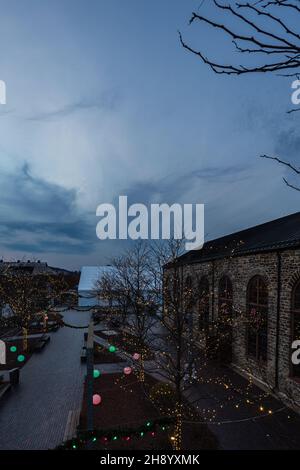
(45, 338)
(83, 355)
(72, 423)
(3, 389)
(39, 346)
(41, 343)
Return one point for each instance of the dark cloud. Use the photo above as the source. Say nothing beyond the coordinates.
(38, 216)
(173, 188)
(288, 144)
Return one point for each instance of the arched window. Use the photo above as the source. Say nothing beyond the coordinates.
(203, 303)
(257, 311)
(296, 324)
(225, 300)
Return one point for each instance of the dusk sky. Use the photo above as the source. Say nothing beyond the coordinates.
(102, 101)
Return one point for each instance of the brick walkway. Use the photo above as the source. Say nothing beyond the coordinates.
(34, 414)
(237, 424)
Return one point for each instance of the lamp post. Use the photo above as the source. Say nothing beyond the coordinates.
(90, 377)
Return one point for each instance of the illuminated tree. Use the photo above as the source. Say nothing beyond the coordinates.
(129, 289)
(28, 294)
(175, 339)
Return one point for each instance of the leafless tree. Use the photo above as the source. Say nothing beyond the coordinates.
(129, 289)
(261, 32)
(33, 297)
(27, 295)
(175, 337)
(261, 29)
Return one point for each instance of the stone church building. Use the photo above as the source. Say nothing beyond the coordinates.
(255, 275)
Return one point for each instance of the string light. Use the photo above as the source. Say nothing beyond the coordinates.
(126, 435)
(96, 399)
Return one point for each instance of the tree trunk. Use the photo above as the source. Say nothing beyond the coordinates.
(177, 443)
(25, 339)
(142, 369)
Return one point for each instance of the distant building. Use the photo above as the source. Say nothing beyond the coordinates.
(87, 289)
(34, 268)
(252, 275)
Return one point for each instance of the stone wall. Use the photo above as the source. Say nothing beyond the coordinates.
(240, 270)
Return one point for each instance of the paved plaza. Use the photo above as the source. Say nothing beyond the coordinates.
(34, 414)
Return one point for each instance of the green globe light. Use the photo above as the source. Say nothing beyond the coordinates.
(13, 349)
(96, 373)
(21, 358)
(112, 349)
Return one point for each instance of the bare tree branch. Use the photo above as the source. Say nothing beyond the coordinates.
(282, 162)
(264, 39)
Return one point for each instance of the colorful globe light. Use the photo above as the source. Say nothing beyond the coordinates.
(136, 356)
(127, 370)
(112, 348)
(21, 358)
(13, 348)
(96, 373)
(96, 399)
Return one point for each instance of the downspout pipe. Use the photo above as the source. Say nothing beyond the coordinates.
(213, 293)
(278, 318)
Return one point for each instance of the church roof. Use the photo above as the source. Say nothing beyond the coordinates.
(278, 234)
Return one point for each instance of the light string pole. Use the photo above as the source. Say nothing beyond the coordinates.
(90, 379)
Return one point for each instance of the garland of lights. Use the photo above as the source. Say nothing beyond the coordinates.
(150, 428)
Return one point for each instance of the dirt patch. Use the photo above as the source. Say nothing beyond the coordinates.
(12, 354)
(103, 356)
(125, 405)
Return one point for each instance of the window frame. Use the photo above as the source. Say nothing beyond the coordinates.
(225, 300)
(203, 323)
(261, 355)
